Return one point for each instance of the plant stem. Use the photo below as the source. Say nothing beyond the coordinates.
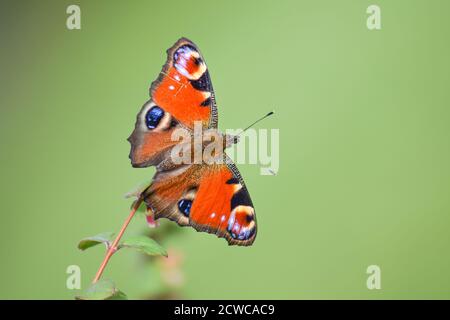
(113, 248)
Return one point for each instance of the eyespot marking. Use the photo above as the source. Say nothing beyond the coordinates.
(153, 117)
(188, 62)
(184, 205)
(241, 224)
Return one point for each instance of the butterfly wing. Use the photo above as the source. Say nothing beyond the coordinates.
(151, 140)
(184, 87)
(210, 198)
(181, 95)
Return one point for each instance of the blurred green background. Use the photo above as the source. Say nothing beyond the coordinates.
(364, 143)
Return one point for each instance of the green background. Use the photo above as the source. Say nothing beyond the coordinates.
(364, 143)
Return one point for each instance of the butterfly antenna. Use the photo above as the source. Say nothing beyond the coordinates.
(260, 119)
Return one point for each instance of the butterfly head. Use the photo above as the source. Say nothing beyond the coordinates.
(230, 140)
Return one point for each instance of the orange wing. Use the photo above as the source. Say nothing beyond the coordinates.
(151, 140)
(184, 87)
(209, 198)
(181, 95)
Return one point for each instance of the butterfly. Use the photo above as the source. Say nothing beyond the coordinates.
(210, 198)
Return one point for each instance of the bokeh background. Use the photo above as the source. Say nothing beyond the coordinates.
(364, 144)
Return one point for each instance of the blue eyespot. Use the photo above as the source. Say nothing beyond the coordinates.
(185, 206)
(153, 117)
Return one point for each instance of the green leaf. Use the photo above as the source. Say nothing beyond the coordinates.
(119, 295)
(102, 290)
(145, 245)
(88, 242)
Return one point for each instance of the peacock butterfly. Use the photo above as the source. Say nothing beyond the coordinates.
(210, 197)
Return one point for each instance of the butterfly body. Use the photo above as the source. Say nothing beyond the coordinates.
(207, 193)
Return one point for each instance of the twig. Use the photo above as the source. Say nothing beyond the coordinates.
(113, 248)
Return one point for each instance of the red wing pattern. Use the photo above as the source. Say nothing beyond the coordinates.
(209, 198)
(182, 94)
(184, 87)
